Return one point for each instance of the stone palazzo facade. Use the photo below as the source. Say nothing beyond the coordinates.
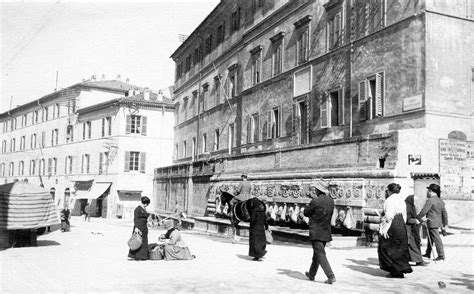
(356, 93)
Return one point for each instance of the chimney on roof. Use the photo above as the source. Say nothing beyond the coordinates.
(146, 94)
(127, 80)
(160, 96)
(93, 77)
(119, 78)
(102, 78)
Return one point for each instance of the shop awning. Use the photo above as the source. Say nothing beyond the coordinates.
(97, 190)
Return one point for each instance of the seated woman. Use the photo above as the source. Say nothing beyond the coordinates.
(175, 248)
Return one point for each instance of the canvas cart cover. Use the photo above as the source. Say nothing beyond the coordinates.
(26, 206)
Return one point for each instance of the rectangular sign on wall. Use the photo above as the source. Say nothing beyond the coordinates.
(412, 103)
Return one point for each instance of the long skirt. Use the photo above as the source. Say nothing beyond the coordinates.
(142, 252)
(173, 252)
(413, 243)
(393, 251)
(257, 239)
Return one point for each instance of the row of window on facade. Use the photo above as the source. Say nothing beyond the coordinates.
(366, 17)
(47, 113)
(135, 125)
(261, 126)
(134, 161)
(211, 98)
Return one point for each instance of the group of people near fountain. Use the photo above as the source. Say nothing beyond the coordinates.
(399, 230)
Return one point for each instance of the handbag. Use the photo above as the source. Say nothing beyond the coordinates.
(135, 241)
(155, 251)
(268, 236)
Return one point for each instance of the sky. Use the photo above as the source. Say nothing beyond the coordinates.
(75, 40)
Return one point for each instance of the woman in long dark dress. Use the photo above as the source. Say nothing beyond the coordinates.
(258, 225)
(393, 241)
(413, 232)
(140, 217)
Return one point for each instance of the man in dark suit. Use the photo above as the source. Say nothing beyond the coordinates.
(320, 211)
(437, 216)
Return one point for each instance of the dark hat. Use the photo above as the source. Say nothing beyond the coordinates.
(244, 175)
(435, 188)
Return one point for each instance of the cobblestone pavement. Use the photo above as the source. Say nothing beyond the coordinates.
(92, 258)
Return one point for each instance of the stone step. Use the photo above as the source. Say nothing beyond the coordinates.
(218, 226)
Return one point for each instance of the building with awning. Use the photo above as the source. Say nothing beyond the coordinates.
(87, 142)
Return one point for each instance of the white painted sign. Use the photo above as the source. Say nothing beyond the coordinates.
(413, 102)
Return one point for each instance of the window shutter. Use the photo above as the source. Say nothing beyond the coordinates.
(82, 164)
(65, 165)
(269, 124)
(324, 110)
(337, 33)
(101, 162)
(280, 120)
(50, 166)
(362, 101)
(341, 106)
(379, 94)
(262, 133)
(127, 161)
(103, 127)
(295, 121)
(256, 136)
(144, 125)
(142, 161)
(129, 125)
(249, 129)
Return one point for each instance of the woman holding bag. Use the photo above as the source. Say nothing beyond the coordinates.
(140, 218)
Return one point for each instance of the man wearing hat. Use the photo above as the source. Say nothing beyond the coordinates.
(320, 211)
(435, 211)
(243, 189)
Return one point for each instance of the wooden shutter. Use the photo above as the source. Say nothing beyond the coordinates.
(144, 125)
(337, 33)
(127, 161)
(43, 138)
(324, 110)
(103, 127)
(341, 107)
(295, 122)
(363, 101)
(269, 124)
(249, 129)
(82, 164)
(129, 125)
(379, 94)
(280, 121)
(256, 136)
(142, 161)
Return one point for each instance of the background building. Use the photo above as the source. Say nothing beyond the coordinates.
(95, 141)
(360, 93)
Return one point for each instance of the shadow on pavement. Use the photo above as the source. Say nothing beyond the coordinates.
(246, 257)
(292, 274)
(41, 243)
(369, 261)
(367, 270)
(466, 280)
(363, 266)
